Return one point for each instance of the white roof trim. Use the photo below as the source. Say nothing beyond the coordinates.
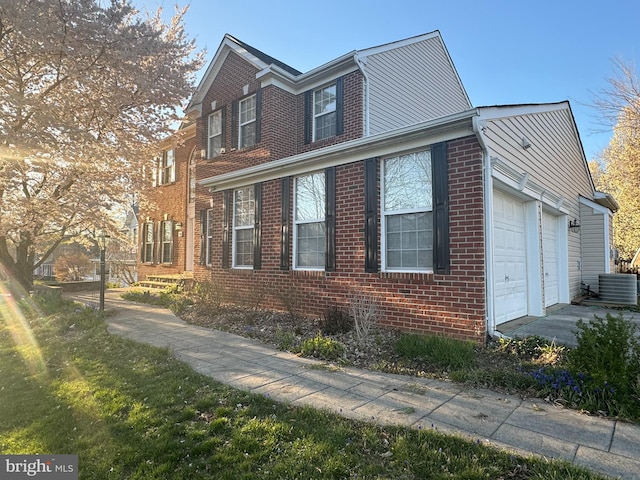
(226, 46)
(595, 206)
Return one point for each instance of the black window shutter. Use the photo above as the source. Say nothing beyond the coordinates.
(203, 237)
(226, 231)
(440, 208)
(205, 135)
(258, 115)
(235, 126)
(308, 116)
(371, 215)
(339, 106)
(285, 212)
(257, 227)
(143, 245)
(223, 140)
(330, 219)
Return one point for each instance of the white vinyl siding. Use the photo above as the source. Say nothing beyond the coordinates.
(411, 84)
(595, 253)
(554, 161)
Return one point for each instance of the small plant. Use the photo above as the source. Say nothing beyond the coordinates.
(443, 352)
(364, 309)
(286, 340)
(335, 321)
(533, 349)
(209, 294)
(322, 347)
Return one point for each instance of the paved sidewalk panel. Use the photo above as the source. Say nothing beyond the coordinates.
(534, 427)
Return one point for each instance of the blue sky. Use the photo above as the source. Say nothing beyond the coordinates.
(505, 51)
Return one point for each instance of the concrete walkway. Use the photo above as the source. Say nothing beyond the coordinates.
(522, 426)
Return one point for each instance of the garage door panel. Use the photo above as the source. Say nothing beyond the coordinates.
(550, 259)
(510, 278)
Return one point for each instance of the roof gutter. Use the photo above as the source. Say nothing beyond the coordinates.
(478, 128)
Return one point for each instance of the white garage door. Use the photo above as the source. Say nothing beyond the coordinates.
(550, 258)
(510, 258)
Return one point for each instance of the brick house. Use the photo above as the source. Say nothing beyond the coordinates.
(166, 220)
(374, 174)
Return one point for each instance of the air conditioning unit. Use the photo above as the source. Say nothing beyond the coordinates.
(620, 288)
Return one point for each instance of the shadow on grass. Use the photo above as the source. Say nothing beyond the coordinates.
(133, 411)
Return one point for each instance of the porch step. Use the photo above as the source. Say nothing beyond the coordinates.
(163, 282)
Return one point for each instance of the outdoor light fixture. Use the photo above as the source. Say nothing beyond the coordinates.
(574, 225)
(103, 240)
(526, 144)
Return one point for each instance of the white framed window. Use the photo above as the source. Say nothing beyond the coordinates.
(214, 134)
(407, 213)
(247, 127)
(166, 170)
(147, 242)
(208, 236)
(166, 241)
(324, 112)
(309, 233)
(244, 207)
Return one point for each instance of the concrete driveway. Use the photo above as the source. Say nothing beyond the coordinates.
(560, 323)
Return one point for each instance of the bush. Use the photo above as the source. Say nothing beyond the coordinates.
(602, 373)
(609, 349)
(322, 347)
(335, 321)
(442, 352)
(365, 310)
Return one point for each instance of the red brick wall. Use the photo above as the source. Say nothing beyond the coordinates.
(451, 304)
(169, 199)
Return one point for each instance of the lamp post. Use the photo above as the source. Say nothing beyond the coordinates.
(102, 241)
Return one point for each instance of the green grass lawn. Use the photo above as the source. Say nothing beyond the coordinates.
(132, 411)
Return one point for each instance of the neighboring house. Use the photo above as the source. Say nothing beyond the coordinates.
(166, 219)
(374, 174)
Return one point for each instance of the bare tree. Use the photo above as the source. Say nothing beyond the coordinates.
(87, 90)
(618, 171)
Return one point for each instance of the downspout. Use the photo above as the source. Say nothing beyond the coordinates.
(478, 129)
(361, 61)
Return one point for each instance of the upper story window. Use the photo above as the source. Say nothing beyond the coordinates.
(309, 222)
(166, 169)
(247, 125)
(244, 209)
(324, 112)
(407, 206)
(214, 134)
